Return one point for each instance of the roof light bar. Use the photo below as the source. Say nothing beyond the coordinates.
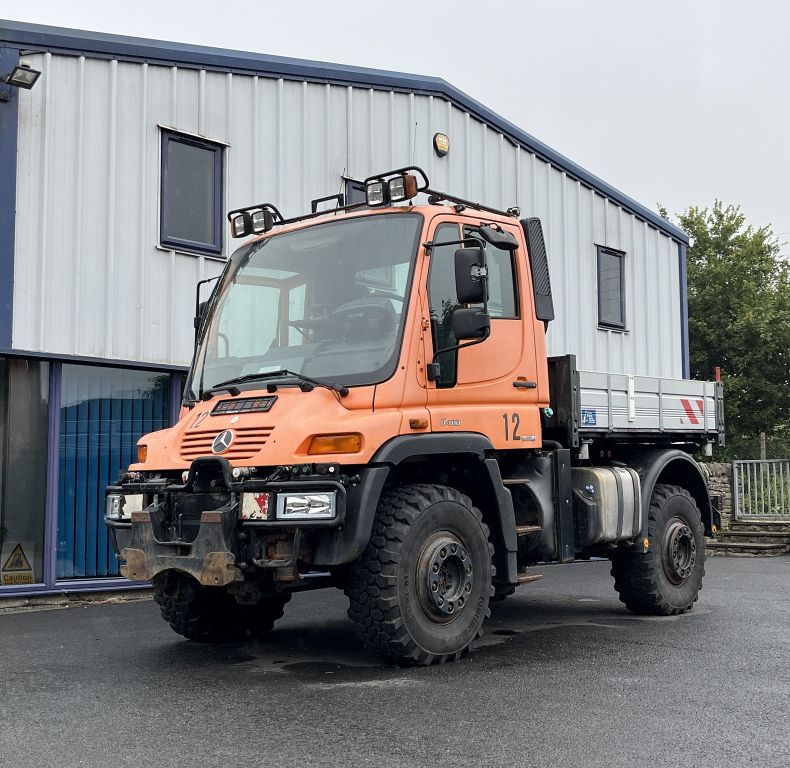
(254, 220)
(394, 186)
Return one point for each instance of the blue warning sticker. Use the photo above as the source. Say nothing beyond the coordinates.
(589, 417)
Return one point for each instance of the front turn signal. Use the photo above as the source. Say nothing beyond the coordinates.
(142, 454)
(322, 444)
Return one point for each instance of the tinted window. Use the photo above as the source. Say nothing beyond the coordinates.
(501, 280)
(443, 300)
(191, 193)
(103, 413)
(24, 402)
(611, 282)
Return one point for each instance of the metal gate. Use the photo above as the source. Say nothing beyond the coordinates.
(761, 489)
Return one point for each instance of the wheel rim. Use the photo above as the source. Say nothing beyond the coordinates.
(445, 576)
(679, 551)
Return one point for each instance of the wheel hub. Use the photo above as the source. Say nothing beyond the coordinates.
(680, 551)
(447, 575)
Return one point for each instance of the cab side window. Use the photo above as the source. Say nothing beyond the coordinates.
(502, 294)
(443, 300)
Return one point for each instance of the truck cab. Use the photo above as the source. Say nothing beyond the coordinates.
(371, 407)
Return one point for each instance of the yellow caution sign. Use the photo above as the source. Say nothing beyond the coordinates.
(16, 569)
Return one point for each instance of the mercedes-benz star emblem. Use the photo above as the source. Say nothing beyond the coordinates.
(222, 441)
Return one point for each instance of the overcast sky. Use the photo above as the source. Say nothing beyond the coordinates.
(678, 102)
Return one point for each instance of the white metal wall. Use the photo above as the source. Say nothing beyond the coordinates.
(90, 278)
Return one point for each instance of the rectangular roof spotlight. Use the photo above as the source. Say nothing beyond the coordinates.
(22, 76)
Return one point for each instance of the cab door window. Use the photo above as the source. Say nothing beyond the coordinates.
(443, 300)
(502, 293)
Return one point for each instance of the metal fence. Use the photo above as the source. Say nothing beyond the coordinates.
(761, 489)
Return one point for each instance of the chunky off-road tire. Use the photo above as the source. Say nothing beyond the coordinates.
(211, 614)
(666, 580)
(420, 592)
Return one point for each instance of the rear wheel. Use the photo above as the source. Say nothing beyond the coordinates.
(420, 592)
(666, 580)
(211, 614)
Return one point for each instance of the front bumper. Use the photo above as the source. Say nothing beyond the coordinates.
(208, 558)
(195, 527)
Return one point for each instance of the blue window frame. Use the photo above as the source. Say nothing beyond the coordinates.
(191, 194)
(611, 289)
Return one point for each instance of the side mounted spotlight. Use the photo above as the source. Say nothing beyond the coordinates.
(21, 76)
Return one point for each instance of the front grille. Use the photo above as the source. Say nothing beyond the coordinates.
(247, 441)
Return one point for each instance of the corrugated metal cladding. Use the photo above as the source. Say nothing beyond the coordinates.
(91, 280)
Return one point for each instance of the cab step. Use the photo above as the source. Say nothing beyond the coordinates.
(516, 481)
(526, 530)
(526, 577)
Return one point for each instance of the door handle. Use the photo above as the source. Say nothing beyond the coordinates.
(523, 384)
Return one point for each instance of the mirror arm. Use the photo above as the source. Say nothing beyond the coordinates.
(476, 241)
(460, 346)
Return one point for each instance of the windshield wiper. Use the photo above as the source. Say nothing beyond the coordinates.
(308, 383)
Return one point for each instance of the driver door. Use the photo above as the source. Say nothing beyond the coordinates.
(485, 388)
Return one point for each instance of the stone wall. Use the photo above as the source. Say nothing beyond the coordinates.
(719, 478)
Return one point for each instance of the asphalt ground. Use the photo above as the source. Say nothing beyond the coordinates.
(563, 676)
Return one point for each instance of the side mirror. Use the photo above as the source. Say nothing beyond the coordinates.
(471, 285)
(471, 323)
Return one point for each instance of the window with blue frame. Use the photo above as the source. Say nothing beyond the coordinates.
(103, 413)
(24, 402)
(191, 194)
(611, 289)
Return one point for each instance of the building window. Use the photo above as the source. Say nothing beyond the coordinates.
(103, 413)
(611, 288)
(191, 198)
(24, 402)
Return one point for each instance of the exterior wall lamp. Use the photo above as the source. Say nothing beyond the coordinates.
(21, 76)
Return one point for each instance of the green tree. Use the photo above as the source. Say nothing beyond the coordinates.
(739, 319)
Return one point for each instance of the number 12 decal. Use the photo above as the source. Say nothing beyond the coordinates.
(515, 420)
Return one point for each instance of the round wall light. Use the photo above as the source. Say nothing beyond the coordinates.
(441, 144)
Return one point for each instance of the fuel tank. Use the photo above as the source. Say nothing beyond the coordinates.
(607, 505)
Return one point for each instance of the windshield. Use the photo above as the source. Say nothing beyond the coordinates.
(327, 301)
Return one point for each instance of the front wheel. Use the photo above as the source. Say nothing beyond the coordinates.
(666, 580)
(420, 592)
(211, 614)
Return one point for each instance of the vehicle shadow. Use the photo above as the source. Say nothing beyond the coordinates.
(324, 651)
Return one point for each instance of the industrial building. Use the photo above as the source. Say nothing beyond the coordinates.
(119, 158)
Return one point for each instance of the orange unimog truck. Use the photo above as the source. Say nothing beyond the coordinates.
(371, 407)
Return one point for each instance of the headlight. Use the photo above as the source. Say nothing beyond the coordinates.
(376, 193)
(119, 506)
(306, 506)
